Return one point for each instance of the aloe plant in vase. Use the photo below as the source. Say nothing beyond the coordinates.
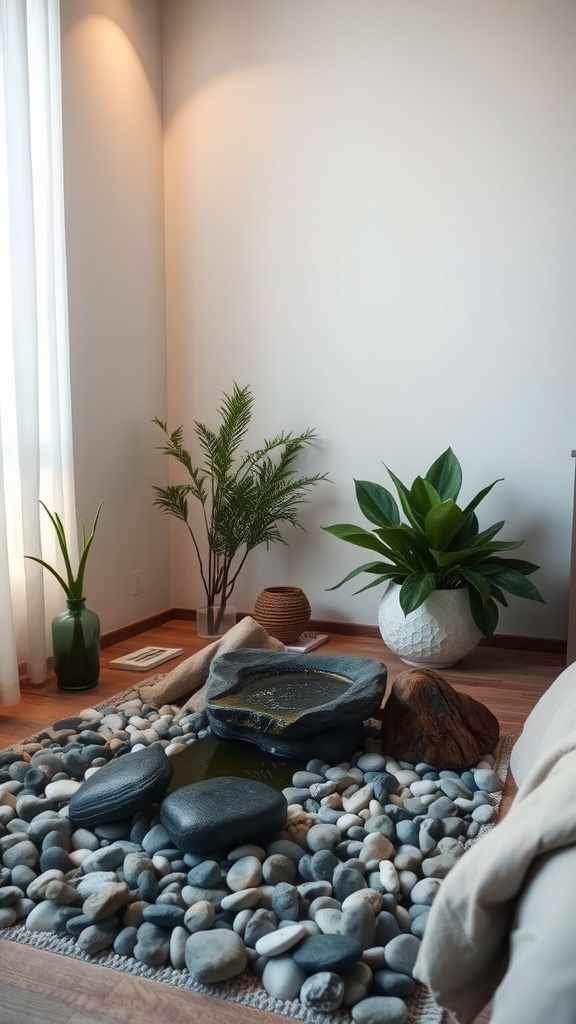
(76, 631)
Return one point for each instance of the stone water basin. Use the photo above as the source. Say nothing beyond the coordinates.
(294, 705)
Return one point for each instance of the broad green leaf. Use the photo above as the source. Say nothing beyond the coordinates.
(415, 589)
(376, 503)
(371, 567)
(516, 583)
(404, 544)
(411, 514)
(442, 523)
(356, 535)
(478, 582)
(423, 496)
(445, 475)
(484, 613)
(516, 564)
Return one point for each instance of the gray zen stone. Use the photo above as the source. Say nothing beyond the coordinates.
(282, 978)
(153, 944)
(391, 983)
(122, 787)
(223, 811)
(327, 953)
(215, 956)
(323, 992)
(380, 1010)
(401, 953)
(99, 936)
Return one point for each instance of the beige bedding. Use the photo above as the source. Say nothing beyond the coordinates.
(464, 953)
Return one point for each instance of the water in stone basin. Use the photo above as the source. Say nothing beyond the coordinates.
(211, 757)
(284, 695)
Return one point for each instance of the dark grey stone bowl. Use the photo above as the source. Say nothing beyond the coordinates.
(294, 705)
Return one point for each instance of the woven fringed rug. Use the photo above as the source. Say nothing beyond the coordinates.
(246, 989)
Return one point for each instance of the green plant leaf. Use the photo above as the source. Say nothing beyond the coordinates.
(412, 515)
(445, 475)
(516, 583)
(478, 582)
(356, 535)
(45, 565)
(376, 503)
(484, 613)
(442, 524)
(480, 496)
(423, 496)
(415, 589)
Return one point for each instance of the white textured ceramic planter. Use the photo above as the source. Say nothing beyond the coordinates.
(435, 635)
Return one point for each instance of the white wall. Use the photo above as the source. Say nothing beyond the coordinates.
(112, 96)
(371, 220)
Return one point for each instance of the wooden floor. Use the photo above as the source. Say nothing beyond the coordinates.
(44, 988)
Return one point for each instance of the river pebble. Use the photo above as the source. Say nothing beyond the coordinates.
(330, 910)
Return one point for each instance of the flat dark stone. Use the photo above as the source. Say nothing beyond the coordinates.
(122, 787)
(327, 952)
(222, 812)
(300, 706)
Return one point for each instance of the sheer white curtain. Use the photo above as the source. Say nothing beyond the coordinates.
(35, 409)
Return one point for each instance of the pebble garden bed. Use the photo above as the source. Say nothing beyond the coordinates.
(329, 913)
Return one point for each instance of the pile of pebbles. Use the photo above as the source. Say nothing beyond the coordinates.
(330, 912)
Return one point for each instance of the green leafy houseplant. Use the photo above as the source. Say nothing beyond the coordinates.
(73, 585)
(243, 497)
(439, 547)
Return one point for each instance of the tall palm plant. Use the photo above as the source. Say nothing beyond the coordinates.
(244, 497)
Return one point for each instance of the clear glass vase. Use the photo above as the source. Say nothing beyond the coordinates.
(214, 621)
(76, 645)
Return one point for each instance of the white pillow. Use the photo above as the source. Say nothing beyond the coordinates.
(552, 719)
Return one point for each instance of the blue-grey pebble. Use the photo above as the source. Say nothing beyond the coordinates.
(401, 953)
(215, 956)
(392, 983)
(323, 992)
(387, 928)
(125, 941)
(152, 946)
(380, 1010)
(207, 874)
(345, 881)
(285, 901)
(328, 952)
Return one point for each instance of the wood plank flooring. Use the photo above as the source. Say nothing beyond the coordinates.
(44, 988)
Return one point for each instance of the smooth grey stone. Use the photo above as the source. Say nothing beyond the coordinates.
(439, 866)
(358, 920)
(278, 868)
(286, 848)
(285, 902)
(147, 886)
(418, 925)
(323, 991)
(206, 815)
(122, 787)
(55, 858)
(282, 978)
(281, 940)
(125, 941)
(177, 947)
(107, 901)
(245, 873)
(392, 983)
(112, 830)
(380, 1010)
(323, 837)
(155, 840)
(8, 916)
(206, 875)
(487, 780)
(133, 865)
(443, 807)
(49, 917)
(106, 858)
(49, 821)
(383, 824)
(295, 794)
(401, 953)
(152, 945)
(9, 894)
(345, 881)
(328, 952)
(94, 882)
(483, 814)
(98, 936)
(200, 916)
(27, 807)
(454, 788)
(164, 915)
(312, 890)
(407, 833)
(387, 928)
(215, 955)
(323, 865)
(262, 922)
(22, 852)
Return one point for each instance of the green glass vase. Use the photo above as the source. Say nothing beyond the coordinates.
(76, 645)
